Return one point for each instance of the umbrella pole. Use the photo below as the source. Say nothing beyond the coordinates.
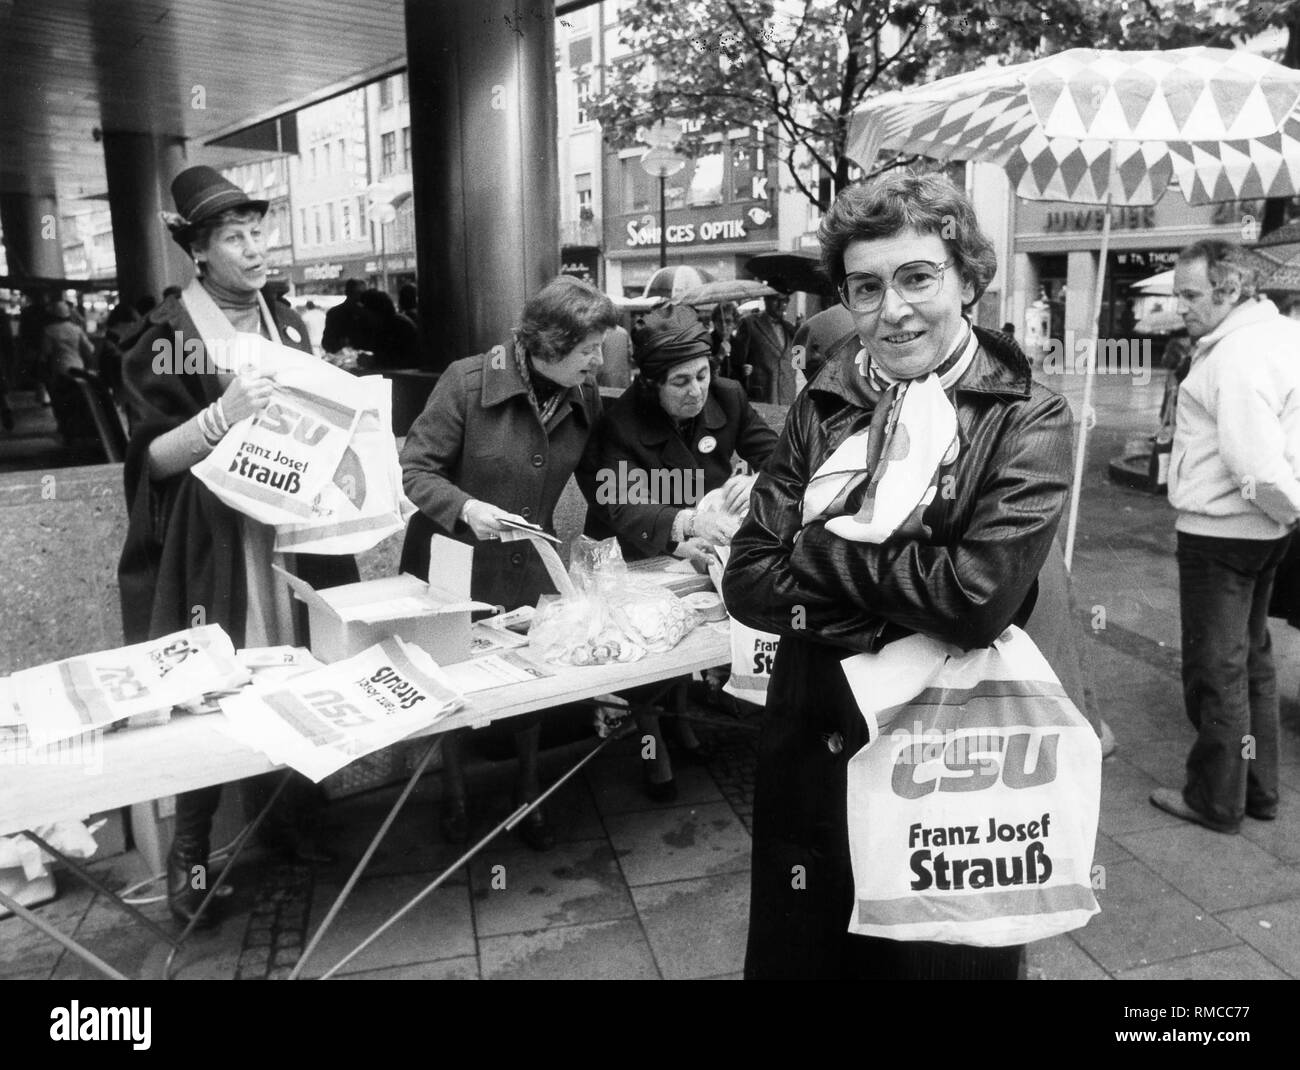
(1086, 416)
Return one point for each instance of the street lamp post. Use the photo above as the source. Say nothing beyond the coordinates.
(663, 164)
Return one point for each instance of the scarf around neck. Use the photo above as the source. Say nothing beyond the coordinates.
(544, 401)
(912, 435)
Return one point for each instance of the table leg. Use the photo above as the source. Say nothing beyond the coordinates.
(99, 886)
(54, 934)
(365, 859)
(509, 823)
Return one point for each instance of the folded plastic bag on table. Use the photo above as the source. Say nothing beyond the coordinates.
(612, 616)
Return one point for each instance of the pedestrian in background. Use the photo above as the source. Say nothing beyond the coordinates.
(1233, 480)
(65, 347)
(395, 342)
(349, 325)
(761, 348)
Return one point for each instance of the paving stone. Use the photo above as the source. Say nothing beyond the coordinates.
(616, 785)
(1226, 964)
(696, 928)
(439, 927)
(1107, 851)
(1280, 837)
(679, 843)
(463, 969)
(1290, 776)
(1126, 800)
(1144, 919)
(1061, 959)
(412, 845)
(568, 885)
(1273, 929)
(605, 950)
(1163, 759)
(1243, 873)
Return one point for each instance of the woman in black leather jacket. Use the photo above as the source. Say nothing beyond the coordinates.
(909, 260)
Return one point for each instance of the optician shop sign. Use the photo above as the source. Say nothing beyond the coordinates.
(645, 229)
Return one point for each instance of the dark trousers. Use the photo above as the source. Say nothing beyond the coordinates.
(1229, 684)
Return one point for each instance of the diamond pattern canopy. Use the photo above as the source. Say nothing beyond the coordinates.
(1086, 124)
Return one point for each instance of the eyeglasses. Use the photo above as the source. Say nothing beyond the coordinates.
(915, 281)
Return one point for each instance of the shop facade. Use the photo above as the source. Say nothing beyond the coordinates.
(722, 208)
(1056, 251)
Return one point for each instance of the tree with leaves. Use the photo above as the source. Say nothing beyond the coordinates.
(804, 66)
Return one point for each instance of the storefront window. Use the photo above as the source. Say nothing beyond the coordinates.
(706, 179)
(640, 191)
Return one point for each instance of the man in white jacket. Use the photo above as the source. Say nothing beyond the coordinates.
(1236, 455)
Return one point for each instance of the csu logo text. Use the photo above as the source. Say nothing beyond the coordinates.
(974, 761)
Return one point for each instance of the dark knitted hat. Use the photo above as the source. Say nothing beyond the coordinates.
(667, 336)
(201, 194)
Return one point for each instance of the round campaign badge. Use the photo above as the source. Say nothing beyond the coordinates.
(708, 444)
(293, 334)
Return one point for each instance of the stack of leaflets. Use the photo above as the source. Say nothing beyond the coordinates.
(319, 721)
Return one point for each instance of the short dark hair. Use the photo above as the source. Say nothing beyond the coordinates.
(354, 286)
(203, 231)
(928, 204)
(561, 315)
(1224, 263)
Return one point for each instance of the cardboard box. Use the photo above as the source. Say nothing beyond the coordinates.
(434, 615)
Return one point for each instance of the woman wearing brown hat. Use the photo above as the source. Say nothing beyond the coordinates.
(659, 449)
(188, 557)
(498, 440)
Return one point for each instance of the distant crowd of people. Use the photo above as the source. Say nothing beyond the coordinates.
(46, 348)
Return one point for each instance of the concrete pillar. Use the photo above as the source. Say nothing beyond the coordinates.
(140, 170)
(483, 136)
(30, 222)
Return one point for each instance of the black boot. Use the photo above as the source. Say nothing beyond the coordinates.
(188, 874)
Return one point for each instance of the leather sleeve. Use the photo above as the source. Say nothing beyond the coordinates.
(760, 587)
(432, 452)
(966, 593)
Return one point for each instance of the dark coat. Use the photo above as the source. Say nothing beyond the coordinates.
(480, 437)
(182, 546)
(764, 344)
(636, 436)
(350, 323)
(827, 597)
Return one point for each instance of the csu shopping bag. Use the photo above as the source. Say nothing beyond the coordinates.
(272, 466)
(973, 810)
(752, 651)
(364, 502)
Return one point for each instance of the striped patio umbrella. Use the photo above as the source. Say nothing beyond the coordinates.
(1089, 126)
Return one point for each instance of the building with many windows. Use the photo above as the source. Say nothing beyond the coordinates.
(328, 180)
(726, 205)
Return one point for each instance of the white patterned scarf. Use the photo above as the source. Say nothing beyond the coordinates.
(913, 434)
